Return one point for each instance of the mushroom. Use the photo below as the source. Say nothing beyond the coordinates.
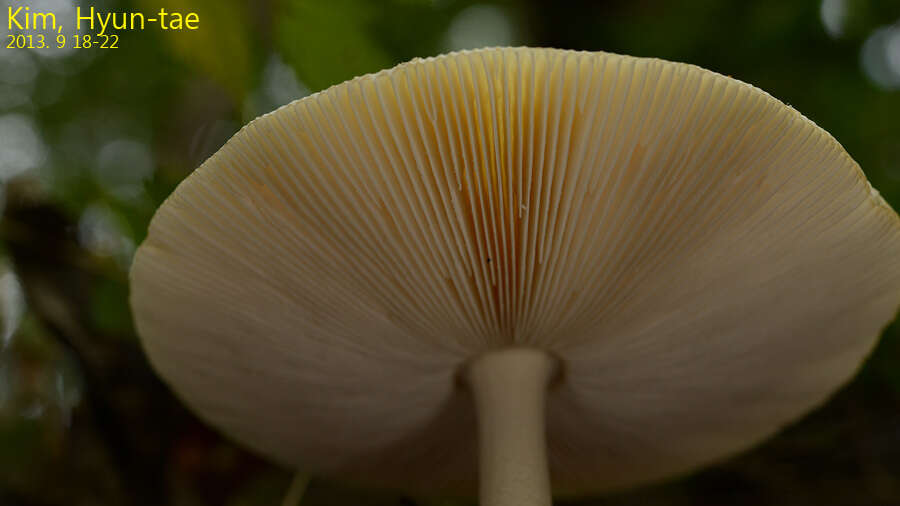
(503, 269)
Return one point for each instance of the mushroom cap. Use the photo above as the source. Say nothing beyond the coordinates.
(706, 264)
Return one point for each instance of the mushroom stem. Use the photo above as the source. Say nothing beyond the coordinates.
(509, 387)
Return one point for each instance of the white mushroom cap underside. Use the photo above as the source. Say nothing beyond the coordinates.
(707, 263)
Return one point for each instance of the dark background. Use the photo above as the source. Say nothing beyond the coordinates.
(92, 140)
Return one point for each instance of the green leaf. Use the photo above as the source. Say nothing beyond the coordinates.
(329, 42)
(221, 45)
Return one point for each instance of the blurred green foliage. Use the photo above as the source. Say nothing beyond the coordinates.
(92, 141)
(305, 31)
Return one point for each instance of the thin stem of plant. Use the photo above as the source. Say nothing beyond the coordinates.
(296, 489)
